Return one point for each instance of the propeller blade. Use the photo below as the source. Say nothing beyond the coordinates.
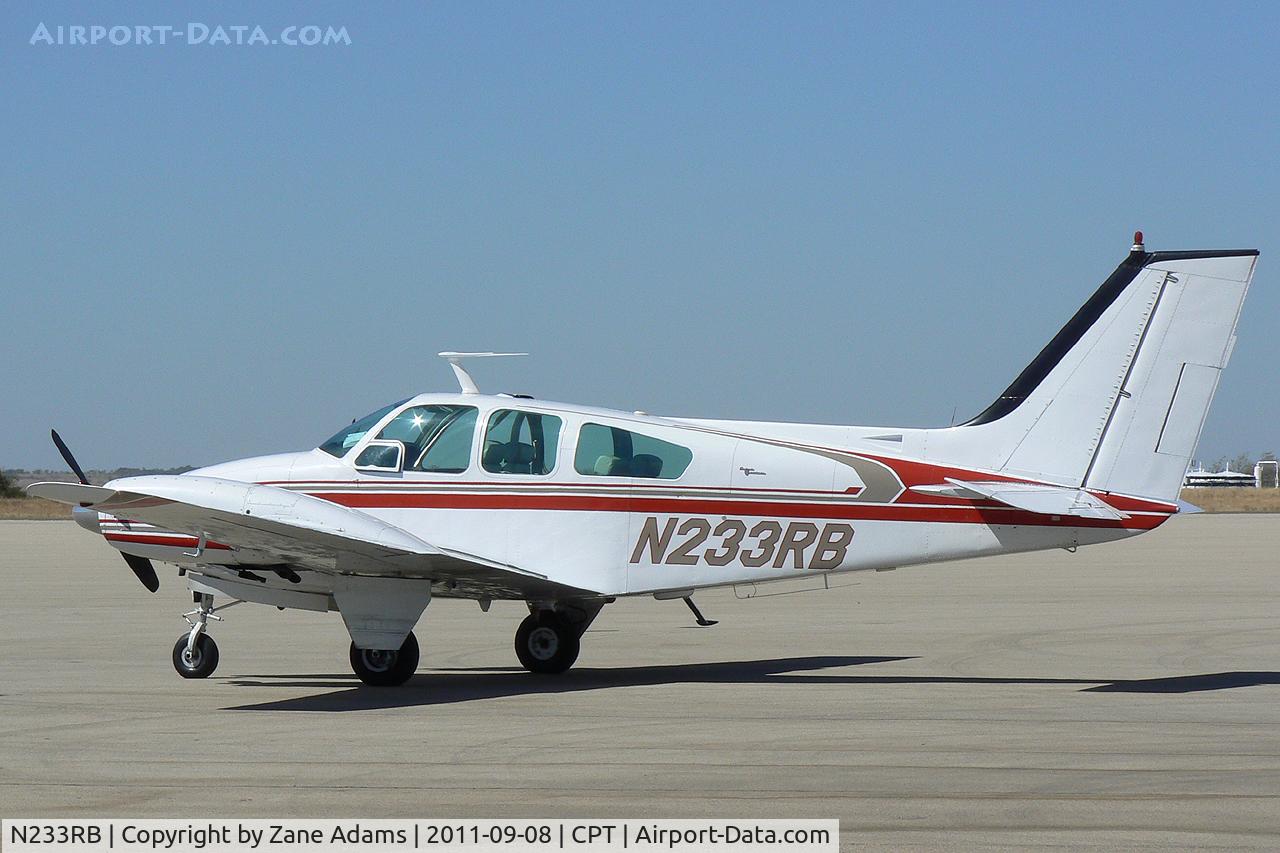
(144, 570)
(68, 458)
(141, 566)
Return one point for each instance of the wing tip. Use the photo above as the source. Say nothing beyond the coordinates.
(74, 494)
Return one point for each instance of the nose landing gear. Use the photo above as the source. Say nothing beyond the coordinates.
(198, 661)
(195, 654)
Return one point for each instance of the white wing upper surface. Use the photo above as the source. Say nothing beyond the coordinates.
(299, 530)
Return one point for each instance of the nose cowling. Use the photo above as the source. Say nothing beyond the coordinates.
(255, 469)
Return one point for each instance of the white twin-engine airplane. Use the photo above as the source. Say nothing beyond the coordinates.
(567, 507)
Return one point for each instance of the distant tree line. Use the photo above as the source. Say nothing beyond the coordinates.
(1242, 463)
(10, 479)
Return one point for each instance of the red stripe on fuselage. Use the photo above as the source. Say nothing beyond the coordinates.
(913, 473)
(612, 483)
(908, 506)
(700, 506)
(910, 473)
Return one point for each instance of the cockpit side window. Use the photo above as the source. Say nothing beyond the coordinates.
(436, 439)
(605, 451)
(450, 451)
(349, 437)
(517, 442)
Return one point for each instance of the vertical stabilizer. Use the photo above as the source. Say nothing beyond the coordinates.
(1117, 399)
(1155, 423)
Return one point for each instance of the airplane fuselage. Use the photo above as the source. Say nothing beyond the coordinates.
(754, 503)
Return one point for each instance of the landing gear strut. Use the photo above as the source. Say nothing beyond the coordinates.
(547, 643)
(195, 654)
(386, 667)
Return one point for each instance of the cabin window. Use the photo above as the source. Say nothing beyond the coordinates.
(436, 439)
(519, 442)
(605, 451)
(350, 436)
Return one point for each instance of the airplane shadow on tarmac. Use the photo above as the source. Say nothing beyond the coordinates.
(453, 686)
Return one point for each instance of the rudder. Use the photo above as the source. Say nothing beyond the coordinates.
(1153, 427)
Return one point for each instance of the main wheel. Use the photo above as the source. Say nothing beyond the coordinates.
(546, 644)
(386, 667)
(202, 660)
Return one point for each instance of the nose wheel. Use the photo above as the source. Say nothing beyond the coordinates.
(198, 661)
(546, 643)
(195, 654)
(386, 667)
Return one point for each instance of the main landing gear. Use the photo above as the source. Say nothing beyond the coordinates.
(386, 667)
(549, 639)
(546, 643)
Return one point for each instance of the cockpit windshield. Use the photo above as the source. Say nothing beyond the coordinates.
(349, 437)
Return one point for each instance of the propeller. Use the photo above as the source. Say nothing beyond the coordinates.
(68, 458)
(144, 570)
(140, 566)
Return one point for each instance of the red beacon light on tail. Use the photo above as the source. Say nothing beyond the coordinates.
(1137, 243)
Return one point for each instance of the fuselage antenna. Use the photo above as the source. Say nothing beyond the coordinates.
(455, 360)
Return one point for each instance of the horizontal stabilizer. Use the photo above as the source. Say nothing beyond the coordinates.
(1042, 498)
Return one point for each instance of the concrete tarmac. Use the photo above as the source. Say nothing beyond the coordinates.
(1124, 696)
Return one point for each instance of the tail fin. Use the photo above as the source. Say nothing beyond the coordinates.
(1117, 399)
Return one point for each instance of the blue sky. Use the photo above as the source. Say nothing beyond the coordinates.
(848, 213)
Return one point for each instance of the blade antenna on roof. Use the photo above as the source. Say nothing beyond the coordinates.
(464, 378)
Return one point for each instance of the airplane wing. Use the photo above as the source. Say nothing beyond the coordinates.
(299, 530)
(1042, 498)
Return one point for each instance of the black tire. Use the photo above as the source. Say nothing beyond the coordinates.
(202, 662)
(546, 644)
(383, 667)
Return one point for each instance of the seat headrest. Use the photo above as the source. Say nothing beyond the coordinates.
(645, 465)
(495, 455)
